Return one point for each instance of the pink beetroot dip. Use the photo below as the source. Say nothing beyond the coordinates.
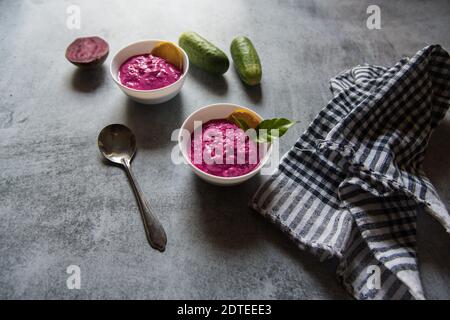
(233, 141)
(147, 72)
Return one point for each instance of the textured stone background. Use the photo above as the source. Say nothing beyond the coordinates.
(60, 204)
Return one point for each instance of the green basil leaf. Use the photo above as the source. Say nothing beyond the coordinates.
(274, 128)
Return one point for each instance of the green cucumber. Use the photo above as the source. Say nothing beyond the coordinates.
(203, 53)
(246, 60)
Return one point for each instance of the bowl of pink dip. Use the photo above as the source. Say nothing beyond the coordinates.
(146, 78)
(217, 150)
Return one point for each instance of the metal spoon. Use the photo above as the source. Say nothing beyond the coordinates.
(118, 144)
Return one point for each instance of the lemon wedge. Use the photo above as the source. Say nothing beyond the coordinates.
(251, 119)
(169, 52)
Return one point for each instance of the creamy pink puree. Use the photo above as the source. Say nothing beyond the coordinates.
(147, 72)
(227, 164)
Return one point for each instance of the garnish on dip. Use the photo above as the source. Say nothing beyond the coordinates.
(266, 130)
(244, 119)
(169, 52)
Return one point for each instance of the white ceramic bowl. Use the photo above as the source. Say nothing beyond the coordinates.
(210, 112)
(146, 96)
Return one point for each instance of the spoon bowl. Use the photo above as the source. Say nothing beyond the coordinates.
(117, 143)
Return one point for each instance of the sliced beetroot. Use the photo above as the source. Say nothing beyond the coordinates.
(87, 52)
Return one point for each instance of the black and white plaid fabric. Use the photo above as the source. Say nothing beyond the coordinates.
(353, 184)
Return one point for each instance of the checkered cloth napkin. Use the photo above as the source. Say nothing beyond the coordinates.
(352, 185)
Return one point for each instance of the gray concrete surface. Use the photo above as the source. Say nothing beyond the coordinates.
(60, 204)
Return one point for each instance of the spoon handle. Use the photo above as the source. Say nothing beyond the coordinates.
(153, 228)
